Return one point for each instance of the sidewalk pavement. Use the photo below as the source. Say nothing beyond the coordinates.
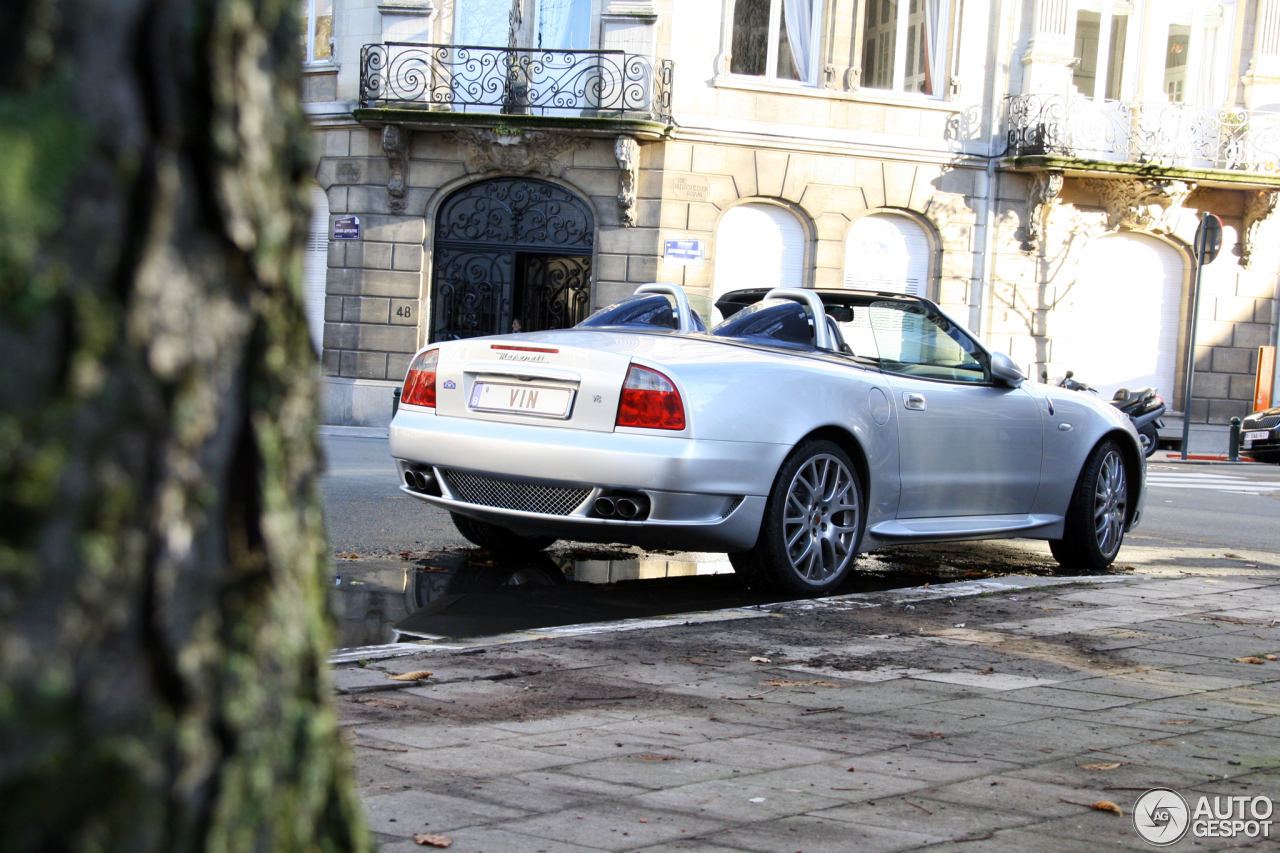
(962, 718)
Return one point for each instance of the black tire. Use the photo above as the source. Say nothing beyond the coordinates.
(1098, 512)
(1270, 456)
(497, 538)
(1149, 439)
(812, 524)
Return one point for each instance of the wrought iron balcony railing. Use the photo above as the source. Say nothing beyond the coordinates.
(597, 83)
(1171, 135)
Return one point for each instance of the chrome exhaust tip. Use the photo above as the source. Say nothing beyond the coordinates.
(605, 507)
(626, 508)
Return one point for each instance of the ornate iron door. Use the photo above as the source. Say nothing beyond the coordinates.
(496, 236)
(555, 291)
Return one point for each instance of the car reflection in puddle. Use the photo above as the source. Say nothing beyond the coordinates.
(474, 593)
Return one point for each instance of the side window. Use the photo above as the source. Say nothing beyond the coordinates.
(910, 342)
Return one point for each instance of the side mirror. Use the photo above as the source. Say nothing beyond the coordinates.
(1005, 371)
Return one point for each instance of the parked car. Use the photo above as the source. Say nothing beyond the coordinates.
(1259, 436)
(807, 427)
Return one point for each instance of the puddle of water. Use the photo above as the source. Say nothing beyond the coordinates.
(472, 593)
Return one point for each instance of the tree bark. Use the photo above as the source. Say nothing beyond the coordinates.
(163, 626)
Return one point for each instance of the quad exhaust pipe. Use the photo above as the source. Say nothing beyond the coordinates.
(625, 507)
(422, 481)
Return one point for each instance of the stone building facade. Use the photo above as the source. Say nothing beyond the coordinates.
(871, 144)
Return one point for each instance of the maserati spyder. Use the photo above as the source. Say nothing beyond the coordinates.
(805, 428)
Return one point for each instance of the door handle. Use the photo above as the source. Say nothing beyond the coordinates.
(915, 402)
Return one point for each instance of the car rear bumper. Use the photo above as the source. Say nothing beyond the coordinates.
(702, 495)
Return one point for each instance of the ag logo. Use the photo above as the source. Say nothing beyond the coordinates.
(1161, 816)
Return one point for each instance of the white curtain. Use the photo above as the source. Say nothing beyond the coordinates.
(564, 24)
(935, 28)
(800, 35)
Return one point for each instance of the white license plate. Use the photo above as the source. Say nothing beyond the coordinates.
(525, 399)
(1257, 435)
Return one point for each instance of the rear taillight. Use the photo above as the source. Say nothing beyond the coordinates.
(649, 400)
(420, 382)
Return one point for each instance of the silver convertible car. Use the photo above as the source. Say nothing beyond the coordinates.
(807, 427)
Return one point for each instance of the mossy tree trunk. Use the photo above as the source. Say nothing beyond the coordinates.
(162, 600)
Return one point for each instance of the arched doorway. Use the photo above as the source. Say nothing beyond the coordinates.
(887, 252)
(758, 245)
(315, 266)
(510, 251)
(1127, 306)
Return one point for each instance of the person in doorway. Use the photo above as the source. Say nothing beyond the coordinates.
(515, 326)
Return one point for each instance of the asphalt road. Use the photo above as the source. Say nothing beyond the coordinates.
(395, 557)
(1195, 505)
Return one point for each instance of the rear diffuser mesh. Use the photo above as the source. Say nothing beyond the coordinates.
(509, 494)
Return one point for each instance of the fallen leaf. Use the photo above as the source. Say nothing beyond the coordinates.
(1109, 765)
(1159, 742)
(797, 684)
(655, 757)
(987, 671)
(760, 660)
(930, 736)
(1176, 722)
(644, 820)
(1100, 805)
(1271, 657)
(1250, 659)
(429, 840)
(416, 675)
(696, 660)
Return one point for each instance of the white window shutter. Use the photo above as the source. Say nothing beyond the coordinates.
(1126, 302)
(315, 266)
(758, 245)
(889, 253)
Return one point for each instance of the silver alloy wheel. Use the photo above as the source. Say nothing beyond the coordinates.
(820, 520)
(1110, 501)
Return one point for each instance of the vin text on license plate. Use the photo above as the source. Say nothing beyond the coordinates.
(1258, 434)
(526, 399)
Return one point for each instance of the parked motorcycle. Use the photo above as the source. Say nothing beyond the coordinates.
(1143, 406)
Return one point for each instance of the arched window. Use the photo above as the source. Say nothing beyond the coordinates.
(758, 245)
(885, 251)
(315, 266)
(1126, 305)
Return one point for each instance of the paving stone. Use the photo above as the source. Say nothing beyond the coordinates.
(736, 802)
(1105, 830)
(1186, 680)
(483, 759)
(403, 813)
(948, 820)
(495, 841)
(592, 744)
(924, 764)
(1064, 698)
(536, 791)
(652, 774)
(821, 835)
(1116, 784)
(1029, 743)
(996, 708)
(833, 781)
(756, 752)
(1120, 685)
(615, 826)
(1024, 796)
(1020, 840)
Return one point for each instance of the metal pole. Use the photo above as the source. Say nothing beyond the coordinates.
(1201, 238)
